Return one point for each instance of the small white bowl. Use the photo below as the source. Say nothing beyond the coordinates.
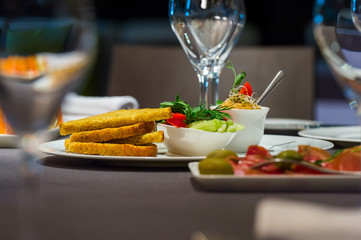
(253, 121)
(193, 142)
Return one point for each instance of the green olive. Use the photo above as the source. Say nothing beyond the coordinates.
(222, 153)
(288, 154)
(215, 166)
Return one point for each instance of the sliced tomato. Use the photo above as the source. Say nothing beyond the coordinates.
(313, 154)
(258, 150)
(246, 89)
(255, 154)
(178, 120)
(348, 160)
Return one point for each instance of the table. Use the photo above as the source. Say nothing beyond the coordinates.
(83, 200)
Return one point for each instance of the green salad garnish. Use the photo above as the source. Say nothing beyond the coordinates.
(194, 114)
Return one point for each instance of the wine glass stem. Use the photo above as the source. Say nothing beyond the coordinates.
(208, 83)
(355, 105)
(30, 198)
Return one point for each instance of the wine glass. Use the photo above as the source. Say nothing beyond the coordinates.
(46, 46)
(356, 13)
(336, 30)
(207, 30)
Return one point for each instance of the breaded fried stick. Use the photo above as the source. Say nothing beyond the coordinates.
(144, 139)
(115, 119)
(109, 149)
(107, 134)
(148, 138)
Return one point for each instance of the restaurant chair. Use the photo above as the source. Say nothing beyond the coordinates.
(153, 74)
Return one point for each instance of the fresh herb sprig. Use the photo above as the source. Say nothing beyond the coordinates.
(178, 105)
(335, 154)
(201, 113)
(319, 162)
(194, 114)
(238, 78)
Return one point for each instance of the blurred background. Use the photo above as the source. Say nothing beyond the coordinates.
(269, 23)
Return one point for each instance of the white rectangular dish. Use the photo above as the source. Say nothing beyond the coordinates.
(276, 183)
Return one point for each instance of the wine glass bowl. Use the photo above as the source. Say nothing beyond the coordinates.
(356, 13)
(45, 50)
(207, 31)
(339, 40)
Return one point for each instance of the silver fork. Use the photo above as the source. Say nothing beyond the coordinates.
(280, 144)
(304, 164)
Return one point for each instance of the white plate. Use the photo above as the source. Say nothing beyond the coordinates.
(57, 148)
(275, 144)
(289, 124)
(351, 134)
(52, 134)
(276, 183)
(8, 141)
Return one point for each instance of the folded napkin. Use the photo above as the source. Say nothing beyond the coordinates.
(76, 106)
(296, 220)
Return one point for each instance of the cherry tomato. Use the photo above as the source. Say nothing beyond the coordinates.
(246, 89)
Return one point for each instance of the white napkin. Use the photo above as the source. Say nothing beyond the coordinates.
(296, 220)
(77, 106)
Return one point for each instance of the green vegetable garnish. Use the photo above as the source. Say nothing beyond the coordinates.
(219, 102)
(318, 163)
(237, 77)
(216, 125)
(178, 106)
(194, 114)
(338, 152)
(201, 113)
(335, 154)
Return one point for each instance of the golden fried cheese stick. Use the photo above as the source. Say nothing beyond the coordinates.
(144, 139)
(107, 134)
(148, 138)
(109, 149)
(115, 119)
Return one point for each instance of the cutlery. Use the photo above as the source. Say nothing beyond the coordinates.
(304, 164)
(281, 144)
(275, 82)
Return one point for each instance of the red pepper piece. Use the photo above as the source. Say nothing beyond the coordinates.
(178, 120)
(246, 89)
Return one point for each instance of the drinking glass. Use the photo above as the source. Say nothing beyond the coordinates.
(207, 30)
(46, 46)
(336, 30)
(356, 13)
